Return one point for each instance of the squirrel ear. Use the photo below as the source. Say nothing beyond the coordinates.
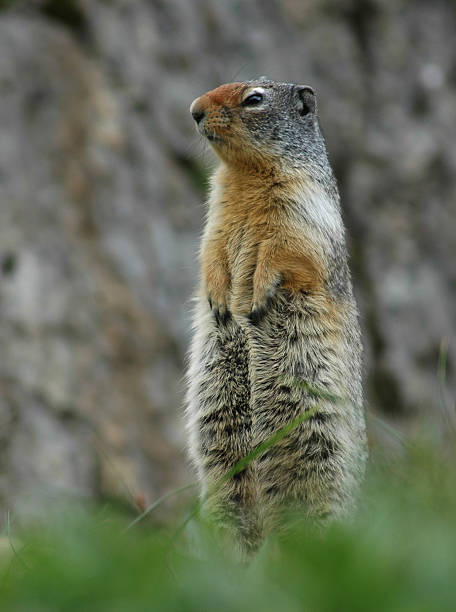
(306, 101)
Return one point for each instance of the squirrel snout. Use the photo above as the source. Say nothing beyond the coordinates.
(196, 110)
(198, 115)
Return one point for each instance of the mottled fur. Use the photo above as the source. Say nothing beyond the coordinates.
(275, 313)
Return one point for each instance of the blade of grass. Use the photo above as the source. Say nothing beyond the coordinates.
(262, 448)
(259, 450)
(447, 414)
(394, 433)
(316, 391)
(102, 450)
(15, 553)
(322, 393)
(159, 501)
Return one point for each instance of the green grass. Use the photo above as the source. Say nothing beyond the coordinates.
(399, 553)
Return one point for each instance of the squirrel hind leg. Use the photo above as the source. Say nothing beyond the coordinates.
(295, 366)
(220, 421)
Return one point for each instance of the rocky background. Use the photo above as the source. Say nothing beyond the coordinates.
(102, 182)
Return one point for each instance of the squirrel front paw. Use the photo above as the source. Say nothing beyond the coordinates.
(220, 309)
(259, 310)
(217, 285)
(262, 303)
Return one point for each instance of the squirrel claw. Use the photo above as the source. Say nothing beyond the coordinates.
(221, 313)
(258, 312)
(256, 315)
(222, 316)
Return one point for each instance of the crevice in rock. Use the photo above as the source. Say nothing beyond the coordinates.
(67, 12)
(196, 172)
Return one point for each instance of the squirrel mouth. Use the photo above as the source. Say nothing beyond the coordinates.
(211, 136)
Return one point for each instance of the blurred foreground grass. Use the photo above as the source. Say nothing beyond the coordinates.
(399, 553)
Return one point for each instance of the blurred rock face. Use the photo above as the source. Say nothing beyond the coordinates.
(101, 184)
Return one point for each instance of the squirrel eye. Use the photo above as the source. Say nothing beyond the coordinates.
(253, 99)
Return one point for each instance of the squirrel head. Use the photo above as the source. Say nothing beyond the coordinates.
(262, 124)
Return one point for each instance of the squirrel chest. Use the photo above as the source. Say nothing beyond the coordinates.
(255, 230)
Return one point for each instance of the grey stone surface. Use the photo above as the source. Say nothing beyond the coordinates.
(101, 204)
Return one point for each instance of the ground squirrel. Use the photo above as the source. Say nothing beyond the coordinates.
(275, 316)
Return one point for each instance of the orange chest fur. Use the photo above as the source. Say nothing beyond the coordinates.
(247, 223)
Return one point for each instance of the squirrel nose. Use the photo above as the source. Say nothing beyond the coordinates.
(196, 110)
(198, 115)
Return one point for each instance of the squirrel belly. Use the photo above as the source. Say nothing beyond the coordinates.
(276, 329)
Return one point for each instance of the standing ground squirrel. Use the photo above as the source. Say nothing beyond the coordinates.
(275, 316)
